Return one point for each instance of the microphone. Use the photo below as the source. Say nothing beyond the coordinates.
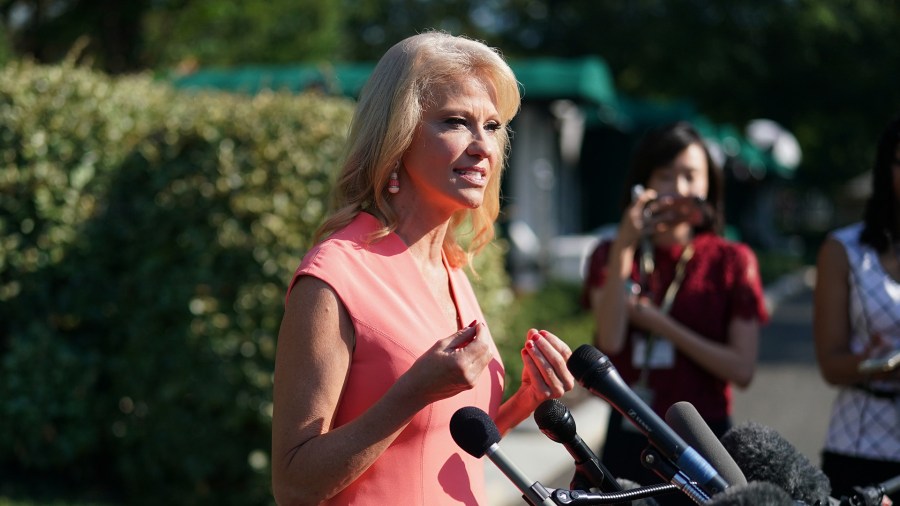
(685, 420)
(475, 432)
(594, 371)
(556, 422)
(755, 493)
(764, 455)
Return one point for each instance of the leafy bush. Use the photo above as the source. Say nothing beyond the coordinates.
(146, 238)
(773, 265)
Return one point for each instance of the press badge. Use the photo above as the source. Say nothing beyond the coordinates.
(662, 354)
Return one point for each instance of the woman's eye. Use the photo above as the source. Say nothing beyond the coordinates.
(456, 121)
(493, 126)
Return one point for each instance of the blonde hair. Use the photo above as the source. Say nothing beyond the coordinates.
(389, 110)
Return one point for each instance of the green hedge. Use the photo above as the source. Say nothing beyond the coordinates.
(146, 238)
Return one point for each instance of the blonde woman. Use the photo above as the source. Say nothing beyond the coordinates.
(382, 338)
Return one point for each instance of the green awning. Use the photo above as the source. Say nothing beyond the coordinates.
(341, 79)
(584, 79)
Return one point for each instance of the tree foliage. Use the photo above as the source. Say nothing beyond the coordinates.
(823, 68)
(224, 33)
(48, 30)
(820, 67)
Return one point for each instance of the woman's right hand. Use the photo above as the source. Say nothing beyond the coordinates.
(877, 346)
(610, 302)
(451, 366)
(880, 347)
(633, 222)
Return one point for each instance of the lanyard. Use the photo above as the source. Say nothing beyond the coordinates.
(673, 287)
(666, 305)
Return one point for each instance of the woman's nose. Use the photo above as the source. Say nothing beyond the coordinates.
(683, 186)
(480, 145)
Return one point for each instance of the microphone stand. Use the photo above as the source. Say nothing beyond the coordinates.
(580, 481)
(871, 496)
(584, 498)
(664, 468)
(591, 474)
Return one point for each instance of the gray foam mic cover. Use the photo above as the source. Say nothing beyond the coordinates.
(684, 419)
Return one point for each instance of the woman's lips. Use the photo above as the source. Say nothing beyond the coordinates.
(474, 176)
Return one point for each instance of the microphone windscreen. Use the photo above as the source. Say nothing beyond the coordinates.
(554, 420)
(686, 421)
(582, 360)
(764, 455)
(755, 493)
(473, 430)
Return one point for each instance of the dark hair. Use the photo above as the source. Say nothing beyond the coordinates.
(880, 225)
(658, 148)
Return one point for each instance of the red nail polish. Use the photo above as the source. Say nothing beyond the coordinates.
(529, 345)
(475, 321)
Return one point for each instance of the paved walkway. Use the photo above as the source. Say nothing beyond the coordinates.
(787, 394)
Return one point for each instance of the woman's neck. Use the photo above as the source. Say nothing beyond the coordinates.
(423, 234)
(681, 234)
(421, 224)
(424, 238)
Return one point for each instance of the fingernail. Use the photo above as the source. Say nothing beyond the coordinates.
(529, 345)
(474, 322)
(534, 337)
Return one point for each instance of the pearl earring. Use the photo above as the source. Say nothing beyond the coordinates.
(394, 180)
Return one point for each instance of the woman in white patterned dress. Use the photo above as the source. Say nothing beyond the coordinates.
(857, 317)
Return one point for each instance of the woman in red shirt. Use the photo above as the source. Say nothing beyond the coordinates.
(677, 307)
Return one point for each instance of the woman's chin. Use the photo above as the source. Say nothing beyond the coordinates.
(472, 199)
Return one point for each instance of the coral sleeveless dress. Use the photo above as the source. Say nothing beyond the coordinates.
(396, 319)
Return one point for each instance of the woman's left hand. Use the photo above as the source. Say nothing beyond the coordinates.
(545, 375)
(644, 314)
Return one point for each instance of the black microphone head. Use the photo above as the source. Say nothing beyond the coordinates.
(755, 493)
(473, 430)
(685, 420)
(764, 455)
(584, 359)
(555, 421)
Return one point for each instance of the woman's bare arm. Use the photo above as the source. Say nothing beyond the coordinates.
(733, 361)
(831, 316)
